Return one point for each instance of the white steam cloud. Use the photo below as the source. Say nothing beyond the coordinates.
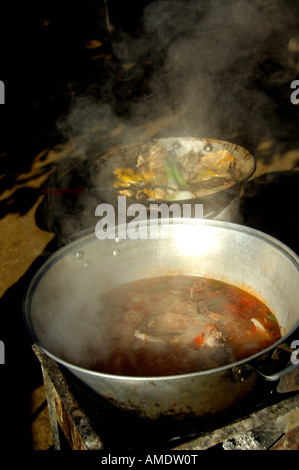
(205, 62)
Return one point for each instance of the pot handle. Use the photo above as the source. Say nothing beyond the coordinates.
(277, 375)
(294, 359)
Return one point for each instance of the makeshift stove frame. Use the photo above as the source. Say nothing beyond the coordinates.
(273, 425)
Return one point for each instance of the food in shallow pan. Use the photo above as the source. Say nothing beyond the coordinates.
(172, 325)
(160, 175)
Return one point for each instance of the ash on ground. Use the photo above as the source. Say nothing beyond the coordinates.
(248, 441)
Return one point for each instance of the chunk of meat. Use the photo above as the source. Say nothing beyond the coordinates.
(222, 160)
(153, 159)
(172, 326)
(155, 193)
(199, 168)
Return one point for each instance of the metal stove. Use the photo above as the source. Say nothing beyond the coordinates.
(267, 420)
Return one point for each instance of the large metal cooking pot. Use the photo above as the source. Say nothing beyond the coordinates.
(61, 306)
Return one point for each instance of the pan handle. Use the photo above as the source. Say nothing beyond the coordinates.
(277, 375)
(293, 349)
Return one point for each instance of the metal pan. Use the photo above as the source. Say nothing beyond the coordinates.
(62, 303)
(218, 197)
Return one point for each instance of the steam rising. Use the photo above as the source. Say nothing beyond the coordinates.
(201, 62)
(199, 68)
(205, 62)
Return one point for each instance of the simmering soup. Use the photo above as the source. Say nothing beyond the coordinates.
(180, 324)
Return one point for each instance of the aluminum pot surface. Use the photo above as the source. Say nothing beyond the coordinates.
(61, 306)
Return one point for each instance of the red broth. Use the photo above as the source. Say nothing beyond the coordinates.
(180, 324)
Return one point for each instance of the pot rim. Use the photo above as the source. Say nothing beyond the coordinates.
(54, 257)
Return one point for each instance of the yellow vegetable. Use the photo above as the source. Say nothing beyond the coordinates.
(127, 175)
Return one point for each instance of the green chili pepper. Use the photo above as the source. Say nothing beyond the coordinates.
(170, 173)
(173, 173)
(178, 176)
